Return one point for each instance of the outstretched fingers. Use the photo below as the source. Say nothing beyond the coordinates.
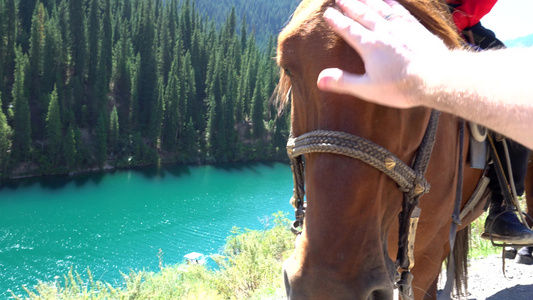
(367, 13)
(352, 32)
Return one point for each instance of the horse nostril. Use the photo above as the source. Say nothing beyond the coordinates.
(383, 295)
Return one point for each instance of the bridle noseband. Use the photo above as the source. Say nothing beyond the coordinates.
(410, 180)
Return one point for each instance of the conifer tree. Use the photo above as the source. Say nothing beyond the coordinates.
(221, 151)
(251, 61)
(243, 33)
(281, 132)
(25, 10)
(54, 128)
(193, 108)
(2, 47)
(245, 96)
(186, 25)
(188, 142)
(214, 95)
(101, 140)
(77, 36)
(147, 75)
(228, 31)
(117, 29)
(8, 54)
(237, 55)
(126, 10)
(33, 83)
(199, 58)
(172, 94)
(69, 148)
(106, 45)
(157, 9)
(257, 111)
(122, 80)
(164, 52)
(61, 14)
(5, 141)
(101, 90)
(113, 131)
(21, 114)
(37, 40)
(134, 110)
(60, 27)
(231, 23)
(229, 112)
(53, 56)
(105, 52)
(156, 119)
(76, 41)
(93, 31)
(82, 149)
(172, 18)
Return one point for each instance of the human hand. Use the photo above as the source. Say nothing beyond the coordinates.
(394, 46)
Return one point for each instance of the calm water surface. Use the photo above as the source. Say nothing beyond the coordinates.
(118, 221)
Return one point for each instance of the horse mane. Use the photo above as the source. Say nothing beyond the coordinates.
(432, 14)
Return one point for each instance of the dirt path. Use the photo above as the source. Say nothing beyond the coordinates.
(487, 281)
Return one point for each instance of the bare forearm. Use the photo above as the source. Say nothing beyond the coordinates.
(495, 90)
(407, 66)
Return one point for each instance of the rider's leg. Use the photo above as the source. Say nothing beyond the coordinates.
(504, 225)
(484, 37)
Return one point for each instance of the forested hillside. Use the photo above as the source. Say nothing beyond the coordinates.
(93, 83)
(265, 18)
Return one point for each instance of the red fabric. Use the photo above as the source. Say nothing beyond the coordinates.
(469, 12)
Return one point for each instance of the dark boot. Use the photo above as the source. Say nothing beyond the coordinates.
(525, 256)
(506, 228)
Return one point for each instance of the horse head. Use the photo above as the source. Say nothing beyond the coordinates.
(350, 230)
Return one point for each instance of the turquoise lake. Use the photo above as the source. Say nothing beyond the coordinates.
(118, 221)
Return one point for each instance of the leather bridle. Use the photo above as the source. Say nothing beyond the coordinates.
(410, 180)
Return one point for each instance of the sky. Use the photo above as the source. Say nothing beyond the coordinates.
(510, 19)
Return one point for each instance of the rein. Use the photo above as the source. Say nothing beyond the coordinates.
(411, 181)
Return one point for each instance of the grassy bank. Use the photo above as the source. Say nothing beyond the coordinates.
(249, 268)
(480, 247)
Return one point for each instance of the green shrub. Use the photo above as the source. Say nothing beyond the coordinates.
(252, 260)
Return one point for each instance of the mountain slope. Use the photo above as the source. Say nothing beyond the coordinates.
(265, 18)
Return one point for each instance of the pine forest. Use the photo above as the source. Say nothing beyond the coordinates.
(92, 84)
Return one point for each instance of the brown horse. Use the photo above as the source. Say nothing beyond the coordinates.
(350, 231)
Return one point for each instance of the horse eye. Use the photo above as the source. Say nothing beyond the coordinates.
(288, 72)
